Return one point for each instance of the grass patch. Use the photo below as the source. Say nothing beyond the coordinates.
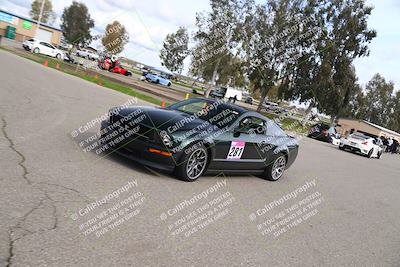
(122, 89)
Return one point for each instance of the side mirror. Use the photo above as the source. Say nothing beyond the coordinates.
(236, 132)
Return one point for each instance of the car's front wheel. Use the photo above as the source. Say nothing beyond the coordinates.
(36, 50)
(275, 170)
(58, 56)
(380, 154)
(370, 153)
(193, 164)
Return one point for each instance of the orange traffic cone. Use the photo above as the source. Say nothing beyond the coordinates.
(46, 63)
(58, 66)
(163, 104)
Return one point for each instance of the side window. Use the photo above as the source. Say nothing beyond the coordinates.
(252, 125)
(274, 129)
(43, 43)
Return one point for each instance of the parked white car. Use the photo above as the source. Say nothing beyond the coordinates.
(87, 54)
(40, 47)
(271, 106)
(363, 144)
(27, 44)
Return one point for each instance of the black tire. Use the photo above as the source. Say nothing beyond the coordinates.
(58, 56)
(380, 154)
(341, 147)
(169, 84)
(157, 81)
(370, 153)
(187, 173)
(36, 50)
(271, 173)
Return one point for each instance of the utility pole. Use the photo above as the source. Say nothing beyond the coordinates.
(40, 17)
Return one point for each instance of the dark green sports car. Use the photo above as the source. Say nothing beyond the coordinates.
(200, 135)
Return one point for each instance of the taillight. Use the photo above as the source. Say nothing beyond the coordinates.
(365, 143)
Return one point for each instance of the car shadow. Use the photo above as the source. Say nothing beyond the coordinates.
(88, 144)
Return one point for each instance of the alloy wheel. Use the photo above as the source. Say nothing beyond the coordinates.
(196, 163)
(278, 167)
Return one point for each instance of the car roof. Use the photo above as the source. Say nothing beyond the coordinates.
(225, 104)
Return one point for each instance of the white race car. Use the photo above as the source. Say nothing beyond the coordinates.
(363, 144)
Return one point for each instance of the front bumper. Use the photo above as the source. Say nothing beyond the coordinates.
(136, 147)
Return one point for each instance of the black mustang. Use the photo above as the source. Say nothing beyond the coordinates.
(198, 135)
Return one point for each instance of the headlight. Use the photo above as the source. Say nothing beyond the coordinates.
(166, 139)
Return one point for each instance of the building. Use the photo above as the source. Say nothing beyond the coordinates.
(19, 28)
(347, 126)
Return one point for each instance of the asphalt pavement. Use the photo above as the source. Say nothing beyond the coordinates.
(61, 206)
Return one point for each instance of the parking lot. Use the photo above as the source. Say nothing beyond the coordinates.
(46, 180)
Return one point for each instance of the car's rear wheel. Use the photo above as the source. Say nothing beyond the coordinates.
(169, 84)
(275, 170)
(193, 165)
(36, 50)
(58, 56)
(380, 154)
(157, 81)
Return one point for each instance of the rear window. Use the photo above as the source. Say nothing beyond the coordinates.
(359, 136)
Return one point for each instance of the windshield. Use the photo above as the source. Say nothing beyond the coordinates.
(215, 113)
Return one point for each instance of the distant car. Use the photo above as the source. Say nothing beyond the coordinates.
(158, 79)
(86, 53)
(249, 100)
(27, 44)
(323, 132)
(363, 144)
(68, 58)
(271, 106)
(227, 92)
(40, 47)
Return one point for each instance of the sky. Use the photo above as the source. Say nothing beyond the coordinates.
(148, 22)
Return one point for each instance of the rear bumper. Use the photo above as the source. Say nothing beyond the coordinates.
(293, 151)
(354, 149)
(136, 148)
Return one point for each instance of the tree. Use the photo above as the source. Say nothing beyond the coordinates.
(115, 38)
(269, 35)
(378, 99)
(394, 117)
(215, 39)
(76, 24)
(175, 50)
(48, 15)
(323, 71)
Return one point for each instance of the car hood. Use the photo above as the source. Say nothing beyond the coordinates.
(164, 119)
